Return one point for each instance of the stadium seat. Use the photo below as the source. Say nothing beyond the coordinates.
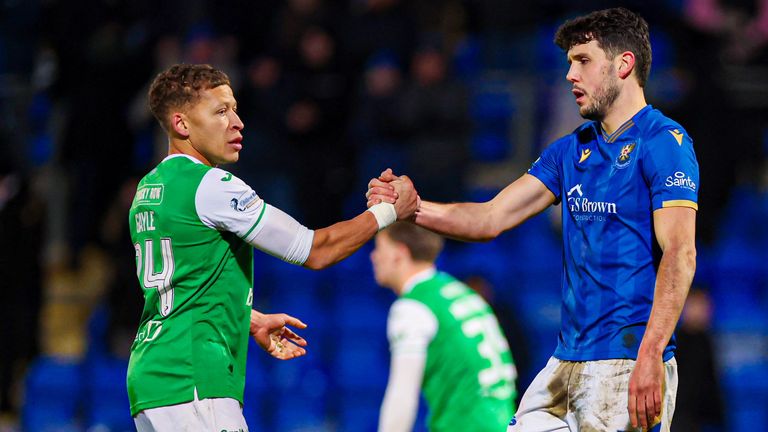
(359, 410)
(106, 406)
(257, 388)
(508, 51)
(367, 312)
(311, 417)
(489, 146)
(739, 284)
(96, 330)
(549, 57)
(275, 275)
(492, 109)
(747, 395)
(466, 59)
(361, 362)
(369, 165)
(356, 267)
(53, 389)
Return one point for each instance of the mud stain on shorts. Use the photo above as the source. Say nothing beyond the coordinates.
(558, 390)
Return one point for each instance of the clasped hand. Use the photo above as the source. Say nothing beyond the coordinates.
(397, 190)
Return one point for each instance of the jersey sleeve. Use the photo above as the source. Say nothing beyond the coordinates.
(547, 167)
(671, 170)
(226, 203)
(411, 326)
(401, 399)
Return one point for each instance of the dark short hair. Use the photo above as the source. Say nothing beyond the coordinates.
(179, 87)
(616, 30)
(423, 245)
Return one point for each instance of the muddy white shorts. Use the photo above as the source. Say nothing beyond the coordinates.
(215, 414)
(587, 396)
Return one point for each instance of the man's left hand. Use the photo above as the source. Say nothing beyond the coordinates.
(272, 335)
(645, 392)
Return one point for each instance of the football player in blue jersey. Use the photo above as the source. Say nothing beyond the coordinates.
(628, 181)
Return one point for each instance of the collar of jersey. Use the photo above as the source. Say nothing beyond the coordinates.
(175, 155)
(418, 278)
(627, 125)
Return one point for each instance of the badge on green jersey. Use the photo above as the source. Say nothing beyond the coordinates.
(149, 194)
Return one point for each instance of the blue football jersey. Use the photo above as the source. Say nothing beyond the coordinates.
(609, 187)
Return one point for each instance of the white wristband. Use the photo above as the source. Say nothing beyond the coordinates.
(385, 214)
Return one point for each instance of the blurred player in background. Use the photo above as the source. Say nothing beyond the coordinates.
(628, 180)
(444, 339)
(194, 227)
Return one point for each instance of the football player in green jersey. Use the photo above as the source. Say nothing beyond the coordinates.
(194, 227)
(444, 339)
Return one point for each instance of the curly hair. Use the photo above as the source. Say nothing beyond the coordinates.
(179, 86)
(616, 30)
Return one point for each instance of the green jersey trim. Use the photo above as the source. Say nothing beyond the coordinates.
(263, 208)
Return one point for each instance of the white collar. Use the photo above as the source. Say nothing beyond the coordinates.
(175, 155)
(418, 278)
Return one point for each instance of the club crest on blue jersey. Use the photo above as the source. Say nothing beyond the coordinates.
(624, 158)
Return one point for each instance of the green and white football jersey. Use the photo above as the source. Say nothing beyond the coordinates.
(192, 227)
(469, 372)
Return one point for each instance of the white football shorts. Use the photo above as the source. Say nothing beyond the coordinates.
(570, 396)
(215, 414)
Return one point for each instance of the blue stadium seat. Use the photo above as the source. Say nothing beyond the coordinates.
(746, 388)
(369, 164)
(509, 51)
(739, 285)
(311, 414)
(492, 109)
(420, 424)
(257, 388)
(367, 312)
(489, 146)
(106, 405)
(361, 362)
(53, 389)
(359, 410)
(492, 104)
(96, 330)
(550, 59)
(466, 59)
(270, 383)
(356, 265)
(275, 275)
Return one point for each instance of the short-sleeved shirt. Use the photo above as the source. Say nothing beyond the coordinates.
(192, 227)
(469, 374)
(609, 186)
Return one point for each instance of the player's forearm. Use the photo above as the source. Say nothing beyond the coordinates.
(525, 197)
(461, 221)
(673, 280)
(340, 240)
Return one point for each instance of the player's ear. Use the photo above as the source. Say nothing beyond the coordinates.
(179, 124)
(626, 64)
(403, 252)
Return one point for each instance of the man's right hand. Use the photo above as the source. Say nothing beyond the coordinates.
(397, 190)
(380, 190)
